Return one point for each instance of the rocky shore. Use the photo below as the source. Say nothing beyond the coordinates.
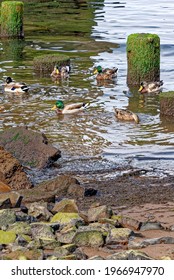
(127, 218)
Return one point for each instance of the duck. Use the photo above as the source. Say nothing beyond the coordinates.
(70, 108)
(105, 74)
(60, 72)
(150, 87)
(11, 86)
(126, 115)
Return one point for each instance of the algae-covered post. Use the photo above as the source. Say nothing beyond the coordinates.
(44, 64)
(143, 58)
(12, 19)
(167, 103)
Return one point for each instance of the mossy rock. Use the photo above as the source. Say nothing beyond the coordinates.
(12, 19)
(143, 55)
(92, 238)
(44, 64)
(7, 237)
(66, 218)
(167, 103)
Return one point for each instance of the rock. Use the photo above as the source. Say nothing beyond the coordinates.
(42, 231)
(7, 237)
(65, 205)
(7, 217)
(129, 255)
(12, 171)
(32, 254)
(75, 191)
(4, 187)
(14, 197)
(67, 218)
(119, 236)
(66, 236)
(29, 147)
(85, 236)
(47, 191)
(96, 213)
(151, 226)
(96, 258)
(130, 223)
(20, 228)
(39, 211)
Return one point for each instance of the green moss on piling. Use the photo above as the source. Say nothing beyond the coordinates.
(12, 19)
(143, 54)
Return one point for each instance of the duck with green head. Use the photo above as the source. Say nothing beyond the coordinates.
(105, 74)
(73, 108)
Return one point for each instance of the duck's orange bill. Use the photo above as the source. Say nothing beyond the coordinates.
(57, 71)
(140, 89)
(54, 107)
(95, 71)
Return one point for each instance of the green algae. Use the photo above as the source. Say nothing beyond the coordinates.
(7, 237)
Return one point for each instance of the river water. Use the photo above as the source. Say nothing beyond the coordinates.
(94, 33)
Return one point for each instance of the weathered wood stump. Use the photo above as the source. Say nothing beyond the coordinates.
(12, 19)
(167, 103)
(44, 64)
(143, 56)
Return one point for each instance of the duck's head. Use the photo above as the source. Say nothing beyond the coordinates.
(8, 80)
(98, 69)
(59, 105)
(142, 86)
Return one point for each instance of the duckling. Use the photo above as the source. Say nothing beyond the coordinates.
(123, 114)
(11, 86)
(70, 108)
(151, 87)
(105, 74)
(60, 72)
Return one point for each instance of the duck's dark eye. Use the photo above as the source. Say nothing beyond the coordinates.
(141, 84)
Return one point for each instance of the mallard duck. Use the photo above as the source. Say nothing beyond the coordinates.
(105, 74)
(126, 115)
(150, 87)
(11, 86)
(70, 108)
(60, 72)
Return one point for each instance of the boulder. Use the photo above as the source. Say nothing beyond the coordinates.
(65, 205)
(86, 236)
(7, 237)
(7, 217)
(11, 171)
(29, 147)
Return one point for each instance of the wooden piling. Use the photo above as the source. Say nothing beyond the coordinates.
(12, 19)
(143, 58)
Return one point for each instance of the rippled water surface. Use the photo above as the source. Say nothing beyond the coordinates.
(92, 33)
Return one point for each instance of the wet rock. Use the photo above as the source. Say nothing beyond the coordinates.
(7, 237)
(12, 171)
(7, 217)
(65, 205)
(67, 218)
(29, 147)
(96, 213)
(85, 236)
(129, 255)
(42, 231)
(119, 235)
(39, 211)
(47, 191)
(151, 226)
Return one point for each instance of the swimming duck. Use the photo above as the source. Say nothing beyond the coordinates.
(70, 108)
(150, 87)
(11, 86)
(60, 72)
(126, 115)
(105, 74)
